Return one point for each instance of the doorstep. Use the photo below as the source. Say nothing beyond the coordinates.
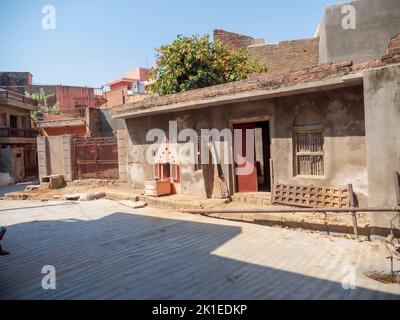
(182, 202)
(253, 198)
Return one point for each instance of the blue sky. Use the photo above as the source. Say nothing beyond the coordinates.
(96, 42)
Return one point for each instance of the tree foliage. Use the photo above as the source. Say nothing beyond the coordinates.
(196, 62)
(43, 106)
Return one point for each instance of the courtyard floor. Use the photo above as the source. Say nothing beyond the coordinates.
(104, 250)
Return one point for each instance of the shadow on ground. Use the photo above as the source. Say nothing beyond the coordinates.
(126, 256)
(16, 187)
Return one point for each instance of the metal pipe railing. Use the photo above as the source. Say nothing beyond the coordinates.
(18, 97)
(295, 210)
(17, 133)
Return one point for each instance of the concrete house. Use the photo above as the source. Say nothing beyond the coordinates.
(78, 107)
(18, 156)
(130, 88)
(324, 116)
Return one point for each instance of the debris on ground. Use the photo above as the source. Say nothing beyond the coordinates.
(393, 246)
(32, 188)
(386, 278)
(72, 197)
(54, 181)
(92, 189)
(133, 204)
(92, 196)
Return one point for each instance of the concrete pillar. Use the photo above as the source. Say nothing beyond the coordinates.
(68, 158)
(382, 123)
(42, 157)
(122, 140)
(64, 161)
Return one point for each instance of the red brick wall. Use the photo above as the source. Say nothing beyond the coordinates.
(233, 40)
(395, 42)
(287, 55)
(68, 97)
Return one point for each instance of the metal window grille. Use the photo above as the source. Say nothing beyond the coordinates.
(309, 152)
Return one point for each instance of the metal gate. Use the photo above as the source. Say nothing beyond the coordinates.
(96, 158)
(30, 161)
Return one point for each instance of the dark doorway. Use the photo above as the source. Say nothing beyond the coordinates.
(30, 161)
(263, 156)
(13, 122)
(259, 179)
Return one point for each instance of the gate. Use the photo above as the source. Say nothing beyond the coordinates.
(30, 161)
(96, 158)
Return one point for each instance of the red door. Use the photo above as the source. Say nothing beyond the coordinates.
(245, 159)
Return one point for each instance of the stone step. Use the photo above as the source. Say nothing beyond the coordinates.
(256, 200)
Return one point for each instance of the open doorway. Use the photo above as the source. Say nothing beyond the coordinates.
(259, 180)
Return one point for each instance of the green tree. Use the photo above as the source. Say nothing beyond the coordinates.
(43, 106)
(196, 62)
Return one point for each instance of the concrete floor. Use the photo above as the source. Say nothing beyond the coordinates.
(103, 250)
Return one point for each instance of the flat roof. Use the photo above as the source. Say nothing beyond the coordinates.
(145, 108)
(257, 86)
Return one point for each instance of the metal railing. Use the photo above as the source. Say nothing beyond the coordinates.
(17, 97)
(17, 133)
(76, 112)
(66, 114)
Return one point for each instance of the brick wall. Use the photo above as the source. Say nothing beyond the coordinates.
(284, 56)
(287, 55)
(233, 40)
(395, 42)
(13, 81)
(269, 80)
(115, 98)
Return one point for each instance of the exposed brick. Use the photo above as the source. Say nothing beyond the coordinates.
(13, 81)
(287, 55)
(267, 80)
(394, 42)
(233, 40)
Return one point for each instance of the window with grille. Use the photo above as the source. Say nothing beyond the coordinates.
(13, 122)
(309, 152)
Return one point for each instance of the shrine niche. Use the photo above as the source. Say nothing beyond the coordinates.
(166, 170)
(166, 165)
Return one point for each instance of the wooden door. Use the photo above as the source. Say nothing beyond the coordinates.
(245, 182)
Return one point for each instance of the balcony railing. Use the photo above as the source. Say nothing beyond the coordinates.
(17, 97)
(17, 133)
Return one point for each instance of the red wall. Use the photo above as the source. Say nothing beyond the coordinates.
(121, 84)
(68, 97)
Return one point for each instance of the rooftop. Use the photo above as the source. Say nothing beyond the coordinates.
(259, 86)
(16, 100)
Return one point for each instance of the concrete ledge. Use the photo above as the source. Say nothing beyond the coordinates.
(168, 203)
(290, 222)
